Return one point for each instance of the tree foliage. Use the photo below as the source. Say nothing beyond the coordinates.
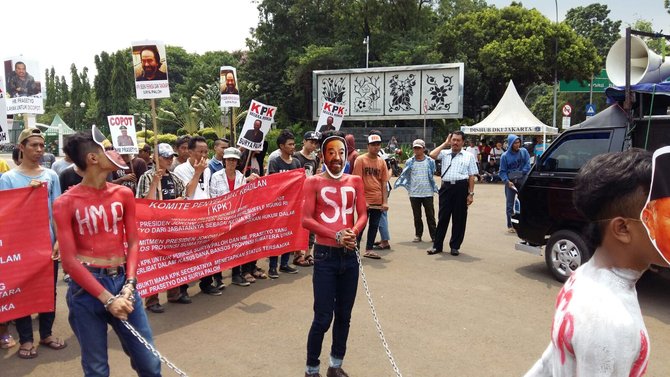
(592, 22)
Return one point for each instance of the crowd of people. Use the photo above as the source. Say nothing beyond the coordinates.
(102, 264)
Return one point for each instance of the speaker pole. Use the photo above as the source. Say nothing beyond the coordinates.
(628, 103)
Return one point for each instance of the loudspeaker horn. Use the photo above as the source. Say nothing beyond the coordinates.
(645, 65)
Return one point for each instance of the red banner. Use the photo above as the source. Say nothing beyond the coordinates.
(185, 240)
(26, 268)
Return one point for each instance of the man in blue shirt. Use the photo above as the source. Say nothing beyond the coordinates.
(514, 165)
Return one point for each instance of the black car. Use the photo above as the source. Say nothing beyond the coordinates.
(547, 215)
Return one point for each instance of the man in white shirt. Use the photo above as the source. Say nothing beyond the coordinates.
(196, 176)
(598, 329)
(457, 192)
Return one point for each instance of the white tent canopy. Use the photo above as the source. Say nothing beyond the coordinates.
(510, 116)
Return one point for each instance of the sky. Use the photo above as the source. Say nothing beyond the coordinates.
(61, 32)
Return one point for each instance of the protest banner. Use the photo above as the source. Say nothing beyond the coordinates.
(23, 91)
(230, 95)
(4, 127)
(26, 268)
(124, 137)
(331, 117)
(184, 240)
(151, 70)
(256, 126)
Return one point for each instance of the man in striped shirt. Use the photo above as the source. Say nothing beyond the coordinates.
(459, 169)
(417, 178)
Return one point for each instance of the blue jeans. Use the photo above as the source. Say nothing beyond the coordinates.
(284, 260)
(24, 325)
(374, 217)
(384, 226)
(89, 319)
(334, 281)
(510, 195)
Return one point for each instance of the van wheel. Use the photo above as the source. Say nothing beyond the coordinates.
(564, 253)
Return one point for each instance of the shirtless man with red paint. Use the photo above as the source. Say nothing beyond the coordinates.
(331, 199)
(95, 220)
(598, 329)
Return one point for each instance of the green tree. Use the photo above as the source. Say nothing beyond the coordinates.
(102, 86)
(122, 86)
(654, 44)
(514, 43)
(592, 22)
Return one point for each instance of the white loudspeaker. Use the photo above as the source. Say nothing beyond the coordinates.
(645, 65)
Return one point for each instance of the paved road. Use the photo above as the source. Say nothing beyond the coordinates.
(486, 312)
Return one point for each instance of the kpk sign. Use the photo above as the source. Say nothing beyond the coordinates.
(257, 124)
(331, 117)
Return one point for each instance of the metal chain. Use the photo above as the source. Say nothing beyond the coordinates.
(374, 316)
(153, 349)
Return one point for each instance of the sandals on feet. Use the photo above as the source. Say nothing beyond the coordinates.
(371, 254)
(301, 260)
(54, 343)
(309, 259)
(260, 274)
(27, 353)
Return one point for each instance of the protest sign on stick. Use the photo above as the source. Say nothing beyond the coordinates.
(256, 126)
(151, 70)
(230, 95)
(331, 117)
(124, 137)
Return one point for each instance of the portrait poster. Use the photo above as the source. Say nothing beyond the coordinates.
(124, 136)
(230, 94)
(367, 93)
(4, 127)
(331, 117)
(150, 67)
(403, 93)
(259, 120)
(23, 86)
(657, 210)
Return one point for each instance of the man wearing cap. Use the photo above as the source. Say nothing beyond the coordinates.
(417, 178)
(310, 161)
(459, 170)
(30, 173)
(223, 182)
(128, 177)
(657, 211)
(124, 140)
(171, 188)
(372, 169)
(99, 243)
(145, 154)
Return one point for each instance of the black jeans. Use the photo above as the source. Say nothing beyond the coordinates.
(24, 325)
(374, 215)
(429, 208)
(453, 205)
(334, 281)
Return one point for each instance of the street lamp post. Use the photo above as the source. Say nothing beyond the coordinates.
(544, 133)
(366, 42)
(68, 104)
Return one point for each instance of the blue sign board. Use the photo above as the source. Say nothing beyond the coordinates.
(590, 110)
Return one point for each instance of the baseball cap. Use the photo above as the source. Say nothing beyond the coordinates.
(312, 135)
(29, 132)
(145, 147)
(165, 150)
(418, 143)
(232, 152)
(111, 154)
(374, 138)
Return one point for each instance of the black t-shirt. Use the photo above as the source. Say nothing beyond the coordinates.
(168, 187)
(69, 178)
(278, 165)
(139, 167)
(309, 165)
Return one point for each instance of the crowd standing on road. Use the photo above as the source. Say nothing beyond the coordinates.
(102, 291)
